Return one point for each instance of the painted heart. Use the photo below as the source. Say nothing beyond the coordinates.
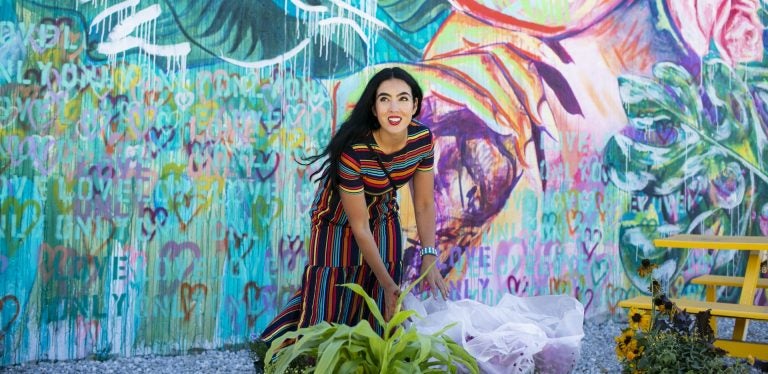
(163, 136)
(242, 246)
(21, 222)
(548, 226)
(191, 295)
(102, 230)
(575, 218)
(292, 248)
(50, 257)
(615, 295)
(41, 154)
(264, 212)
(271, 120)
(150, 220)
(8, 113)
(171, 252)
(513, 285)
(599, 200)
(591, 240)
(88, 125)
(599, 271)
(101, 176)
(266, 164)
(587, 295)
(257, 301)
(187, 206)
(12, 303)
(200, 158)
(294, 114)
(184, 100)
(559, 286)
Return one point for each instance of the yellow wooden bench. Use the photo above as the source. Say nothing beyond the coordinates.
(713, 281)
(727, 310)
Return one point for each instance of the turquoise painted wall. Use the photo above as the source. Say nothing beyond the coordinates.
(150, 195)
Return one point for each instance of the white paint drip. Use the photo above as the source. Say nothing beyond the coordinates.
(268, 62)
(138, 19)
(309, 8)
(341, 21)
(143, 24)
(98, 21)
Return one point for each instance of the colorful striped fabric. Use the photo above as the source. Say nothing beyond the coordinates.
(334, 257)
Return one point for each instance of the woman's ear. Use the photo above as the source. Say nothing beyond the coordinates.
(415, 105)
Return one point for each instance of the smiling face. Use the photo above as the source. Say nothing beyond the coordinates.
(394, 106)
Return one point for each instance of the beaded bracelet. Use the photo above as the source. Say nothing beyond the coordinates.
(428, 251)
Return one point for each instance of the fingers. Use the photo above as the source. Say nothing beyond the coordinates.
(440, 284)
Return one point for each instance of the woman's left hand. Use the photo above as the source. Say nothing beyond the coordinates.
(434, 279)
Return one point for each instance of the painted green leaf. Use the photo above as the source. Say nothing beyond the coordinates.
(647, 102)
(413, 15)
(730, 118)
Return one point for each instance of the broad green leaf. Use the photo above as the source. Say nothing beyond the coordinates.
(406, 346)
(328, 357)
(426, 348)
(397, 321)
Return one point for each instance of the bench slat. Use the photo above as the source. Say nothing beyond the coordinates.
(728, 281)
(730, 310)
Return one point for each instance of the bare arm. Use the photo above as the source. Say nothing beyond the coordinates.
(357, 212)
(424, 208)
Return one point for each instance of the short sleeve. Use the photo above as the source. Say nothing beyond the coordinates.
(428, 157)
(350, 179)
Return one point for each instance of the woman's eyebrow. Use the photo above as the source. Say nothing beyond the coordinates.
(400, 94)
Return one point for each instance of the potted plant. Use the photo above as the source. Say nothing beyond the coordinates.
(339, 348)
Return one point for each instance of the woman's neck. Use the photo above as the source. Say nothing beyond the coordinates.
(390, 143)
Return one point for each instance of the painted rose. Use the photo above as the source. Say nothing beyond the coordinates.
(732, 25)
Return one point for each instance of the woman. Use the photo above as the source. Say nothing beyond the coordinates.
(356, 235)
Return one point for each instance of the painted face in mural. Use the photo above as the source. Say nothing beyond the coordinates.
(394, 106)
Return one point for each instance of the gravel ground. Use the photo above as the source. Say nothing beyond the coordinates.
(597, 356)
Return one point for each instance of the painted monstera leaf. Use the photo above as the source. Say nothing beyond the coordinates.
(320, 35)
(413, 15)
(695, 153)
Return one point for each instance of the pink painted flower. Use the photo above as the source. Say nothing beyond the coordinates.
(733, 25)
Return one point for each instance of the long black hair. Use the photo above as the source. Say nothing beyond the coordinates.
(361, 122)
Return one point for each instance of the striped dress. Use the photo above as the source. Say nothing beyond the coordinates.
(334, 257)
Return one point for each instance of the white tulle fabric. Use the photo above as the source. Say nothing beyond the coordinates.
(518, 335)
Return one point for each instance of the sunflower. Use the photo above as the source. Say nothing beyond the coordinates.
(646, 268)
(639, 319)
(625, 343)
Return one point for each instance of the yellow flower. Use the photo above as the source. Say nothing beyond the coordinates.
(639, 319)
(751, 360)
(646, 268)
(625, 343)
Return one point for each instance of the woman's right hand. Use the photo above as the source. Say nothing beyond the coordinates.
(390, 301)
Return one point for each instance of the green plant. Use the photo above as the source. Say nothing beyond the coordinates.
(339, 348)
(670, 340)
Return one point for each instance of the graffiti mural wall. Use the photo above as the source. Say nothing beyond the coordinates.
(152, 198)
